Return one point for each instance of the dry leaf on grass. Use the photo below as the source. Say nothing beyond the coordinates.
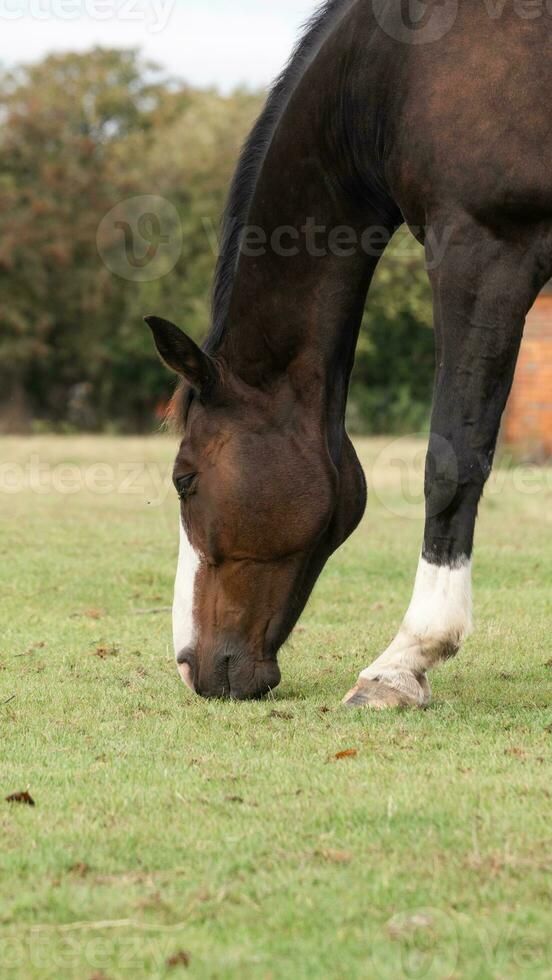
(81, 869)
(178, 959)
(335, 856)
(285, 715)
(23, 797)
(346, 754)
(517, 752)
(103, 652)
(36, 646)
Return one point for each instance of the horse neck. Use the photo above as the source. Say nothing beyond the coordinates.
(298, 312)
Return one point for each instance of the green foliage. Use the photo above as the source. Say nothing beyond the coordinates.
(82, 133)
(393, 374)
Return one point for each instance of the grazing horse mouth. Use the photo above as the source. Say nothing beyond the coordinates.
(236, 677)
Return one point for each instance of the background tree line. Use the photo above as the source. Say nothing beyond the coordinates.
(81, 133)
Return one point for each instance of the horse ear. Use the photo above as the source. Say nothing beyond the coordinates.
(181, 354)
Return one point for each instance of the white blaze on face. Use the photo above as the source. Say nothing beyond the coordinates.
(438, 619)
(184, 627)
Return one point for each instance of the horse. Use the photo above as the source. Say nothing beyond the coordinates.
(380, 118)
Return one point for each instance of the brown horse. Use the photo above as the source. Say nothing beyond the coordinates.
(442, 122)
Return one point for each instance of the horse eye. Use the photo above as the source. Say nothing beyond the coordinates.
(185, 485)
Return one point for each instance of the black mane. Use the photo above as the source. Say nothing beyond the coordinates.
(252, 157)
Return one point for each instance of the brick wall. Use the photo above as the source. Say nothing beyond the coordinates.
(528, 419)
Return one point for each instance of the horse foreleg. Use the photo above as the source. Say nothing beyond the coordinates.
(482, 292)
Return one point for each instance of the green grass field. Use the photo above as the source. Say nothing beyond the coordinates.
(227, 835)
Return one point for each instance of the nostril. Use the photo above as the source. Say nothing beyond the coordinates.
(185, 672)
(185, 662)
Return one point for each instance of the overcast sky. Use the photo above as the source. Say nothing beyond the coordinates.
(207, 42)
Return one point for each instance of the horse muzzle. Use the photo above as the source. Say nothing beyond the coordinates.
(228, 674)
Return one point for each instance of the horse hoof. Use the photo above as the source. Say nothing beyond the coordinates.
(379, 695)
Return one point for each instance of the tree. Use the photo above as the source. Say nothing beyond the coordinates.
(112, 182)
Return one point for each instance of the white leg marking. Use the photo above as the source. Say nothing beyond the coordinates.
(184, 626)
(438, 619)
